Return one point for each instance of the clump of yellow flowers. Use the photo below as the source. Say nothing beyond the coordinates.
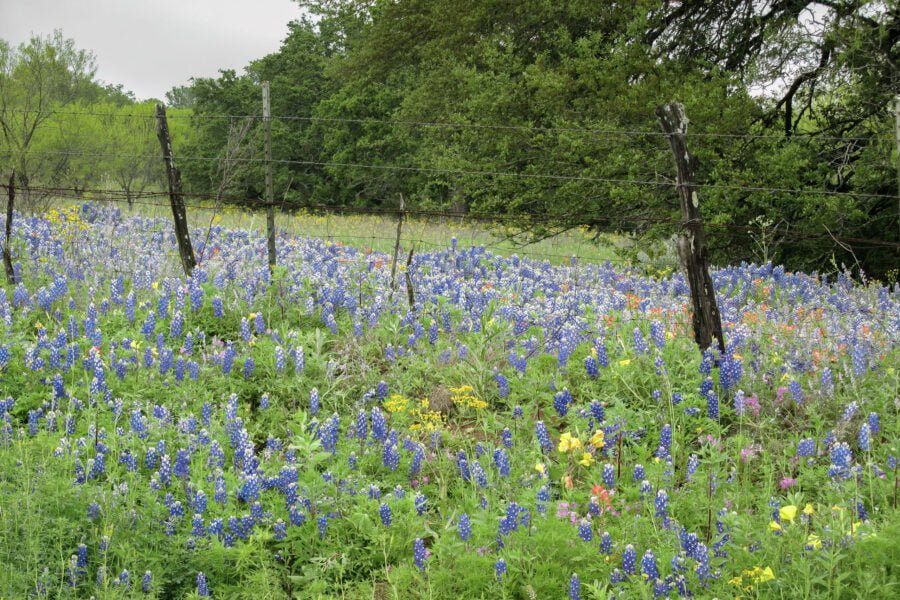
(464, 397)
(426, 420)
(423, 418)
(754, 576)
(570, 443)
(67, 221)
(396, 403)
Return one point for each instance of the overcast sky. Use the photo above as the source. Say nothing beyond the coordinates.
(151, 46)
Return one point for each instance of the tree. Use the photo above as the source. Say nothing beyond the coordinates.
(36, 79)
(180, 96)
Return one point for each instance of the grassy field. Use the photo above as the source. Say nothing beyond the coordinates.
(529, 428)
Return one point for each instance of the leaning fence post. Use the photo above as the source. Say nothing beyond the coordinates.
(182, 234)
(692, 244)
(7, 254)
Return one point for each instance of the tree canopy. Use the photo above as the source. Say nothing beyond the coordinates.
(539, 114)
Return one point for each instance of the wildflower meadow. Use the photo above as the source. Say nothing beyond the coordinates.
(522, 430)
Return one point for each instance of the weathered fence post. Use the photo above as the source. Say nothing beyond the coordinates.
(410, 292)
(7, 254)
(397, 248)
(270, 194)
(692, 244)
(182, 234)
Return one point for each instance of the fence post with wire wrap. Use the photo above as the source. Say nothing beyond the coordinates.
(7, 254)
(179, 214)
(692, 242)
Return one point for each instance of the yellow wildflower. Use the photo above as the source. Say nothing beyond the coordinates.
(774, 526)
(396, 403)
(813, 541)
(598, 439)
(567, 442)
(38, 325)
(736, 581)
(541, 468)
(251, 316)
(625, 362)
(808, 509)
(587, 459)
(788, 513)
(155, 285)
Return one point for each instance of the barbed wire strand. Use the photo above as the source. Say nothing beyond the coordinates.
(475, 126)
(539, 176)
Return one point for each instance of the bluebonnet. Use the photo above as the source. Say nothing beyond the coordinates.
(279, 359)
(712, 406)
(419, 553)
(693, 463)
(662, 505)
(648, 565)
(500, 568)
(197, 526)
(464, 527)
(609, 476)
(796, 391)
(390, 456)
(597, 411)
(629, 560)
(640, 344)
(665, 441)
(590, 365)
(574, 587)
(202, 585)
(658, 334)
(561, 401)
(502, 385)
(379, 424)
(850, 411)
(638, 472)
(585, 532)
(543, 437)
(501, 461)
(384, 511)
(606, 543)
(874, 424)
(480, 476)
(806, 447)
(329, 432)
(840, 461)
(865, 437)
(421, 503)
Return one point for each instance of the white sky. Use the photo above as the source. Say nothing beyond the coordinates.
(149, 46)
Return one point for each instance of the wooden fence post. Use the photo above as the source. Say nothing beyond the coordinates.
(397, 248)
(270, 194)
(692, 244)
(182, 234)
(7, 254)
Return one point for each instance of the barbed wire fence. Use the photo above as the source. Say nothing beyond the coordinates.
(512, 225)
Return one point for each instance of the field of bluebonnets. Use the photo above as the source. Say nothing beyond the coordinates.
(529, 430)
